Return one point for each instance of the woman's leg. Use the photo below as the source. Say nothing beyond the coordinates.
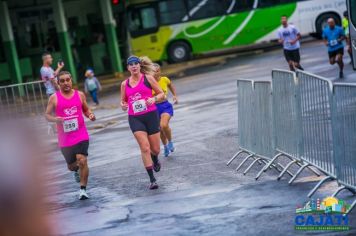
(154, 143)
(142, 140)
(163, 138)
(167, 132)
(155, 149)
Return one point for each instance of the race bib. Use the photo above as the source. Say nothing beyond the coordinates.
(70, 125)
(139, 106)
(333, 43)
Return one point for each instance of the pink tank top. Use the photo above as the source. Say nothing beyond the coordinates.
(137, 96)
(73, 130)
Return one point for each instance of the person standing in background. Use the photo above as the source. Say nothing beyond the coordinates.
(345, 26)
(92, 86)
(48, 75)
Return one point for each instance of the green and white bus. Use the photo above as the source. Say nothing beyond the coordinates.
(175, 30)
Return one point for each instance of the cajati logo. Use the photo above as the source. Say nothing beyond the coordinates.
(326, 214)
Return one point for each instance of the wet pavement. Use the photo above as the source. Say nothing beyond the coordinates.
(198, 194)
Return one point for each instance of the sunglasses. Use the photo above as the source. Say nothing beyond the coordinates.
(133, 63)
(62, 81)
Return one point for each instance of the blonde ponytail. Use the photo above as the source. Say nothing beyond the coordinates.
(147, 66)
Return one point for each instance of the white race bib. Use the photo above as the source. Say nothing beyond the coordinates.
(70, 125)
(333, 42)
(139, 106)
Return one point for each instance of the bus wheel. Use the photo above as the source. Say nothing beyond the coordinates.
(322, 22)
(179, 52)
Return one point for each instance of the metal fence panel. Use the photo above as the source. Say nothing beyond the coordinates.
(245, 125)
(255, 117)
(286, 113)
(316, 97)
(22, 100)
(344, 133)
(264, 140)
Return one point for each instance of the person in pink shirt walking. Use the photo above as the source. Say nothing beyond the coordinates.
(69, 106)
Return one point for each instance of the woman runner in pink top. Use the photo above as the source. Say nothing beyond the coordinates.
(137, 99)
(69, 106)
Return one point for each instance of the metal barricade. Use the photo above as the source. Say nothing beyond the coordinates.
(344, 136)
(316, 99)
(22, 100)
(286, 120)
(26, 102)
(255, 128)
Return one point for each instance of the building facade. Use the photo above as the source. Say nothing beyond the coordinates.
(83, 33)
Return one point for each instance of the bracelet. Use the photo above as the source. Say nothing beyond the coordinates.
(156, 99)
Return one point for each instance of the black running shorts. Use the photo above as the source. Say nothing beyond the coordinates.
(336, 52)
(292, 55)
(148, 123)
(70, 153)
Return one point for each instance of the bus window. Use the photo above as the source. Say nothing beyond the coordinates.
(239, 5)
(142, 21)
(204, 9)
(149, 19)
(172, 12)
(269, 3)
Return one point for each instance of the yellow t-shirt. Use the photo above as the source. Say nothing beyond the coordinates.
(345, 23)
(163, 83)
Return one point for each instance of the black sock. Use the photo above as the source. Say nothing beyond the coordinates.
(83, 187)
(154, 159)
(150, 174)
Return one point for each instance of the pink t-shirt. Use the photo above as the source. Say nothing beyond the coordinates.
(137, 97)
(73, 130)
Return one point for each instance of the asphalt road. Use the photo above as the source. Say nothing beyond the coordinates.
(198, 194)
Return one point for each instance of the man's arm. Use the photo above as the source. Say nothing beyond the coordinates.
(50, 108)
(280, 38)
(60, 66)
(86, 110)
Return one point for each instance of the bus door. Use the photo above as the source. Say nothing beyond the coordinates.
(143, 27)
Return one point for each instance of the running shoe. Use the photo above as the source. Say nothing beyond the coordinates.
(166, 151)
(83, 194)
(157, 166)
(153, 185)
(171, 146)
(76, 176)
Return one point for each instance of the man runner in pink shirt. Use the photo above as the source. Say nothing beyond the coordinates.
(69, 106)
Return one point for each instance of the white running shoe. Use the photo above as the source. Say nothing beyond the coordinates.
(76, 176)
(83, 194)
